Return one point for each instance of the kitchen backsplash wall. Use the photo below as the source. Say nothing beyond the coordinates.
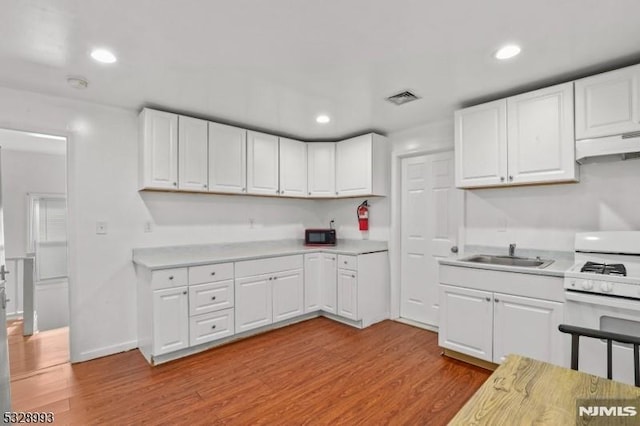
(548, 216)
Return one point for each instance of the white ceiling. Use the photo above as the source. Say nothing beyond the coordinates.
(275, 64)
(12, 140)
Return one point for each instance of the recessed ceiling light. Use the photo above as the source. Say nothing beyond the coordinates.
(104, 56)
(323, 119)
(508, 51)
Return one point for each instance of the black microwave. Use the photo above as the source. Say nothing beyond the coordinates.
(320, 237)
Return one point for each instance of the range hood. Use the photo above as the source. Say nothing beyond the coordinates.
(620, 147)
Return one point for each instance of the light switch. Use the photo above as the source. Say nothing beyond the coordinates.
(101, 228)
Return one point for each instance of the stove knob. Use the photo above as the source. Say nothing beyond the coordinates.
(573, 283)
(606, 287)
(587, 284)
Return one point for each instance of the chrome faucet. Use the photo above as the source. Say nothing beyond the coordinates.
(512, 249)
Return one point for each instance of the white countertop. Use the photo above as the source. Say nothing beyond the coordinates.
(562, 261)
(193, 255)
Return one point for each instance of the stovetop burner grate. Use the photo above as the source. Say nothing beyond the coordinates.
(617, 269)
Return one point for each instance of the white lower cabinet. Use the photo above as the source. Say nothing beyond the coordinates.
(210, 297)
(268, 290)
(170, 320)
(212, 326)
(254, 307)
(288, 295)
(320, 282)
(348, 294)
(491, 325)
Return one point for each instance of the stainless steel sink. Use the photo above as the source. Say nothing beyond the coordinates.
(525, 262)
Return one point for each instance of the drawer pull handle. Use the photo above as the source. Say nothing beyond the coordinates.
(213, 298)
(213, 327)
(171, 277)
(213, 273)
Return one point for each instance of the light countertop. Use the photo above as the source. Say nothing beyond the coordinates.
(562, 261)
(193, 255)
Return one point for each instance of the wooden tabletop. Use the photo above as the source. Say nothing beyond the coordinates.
(526, 391)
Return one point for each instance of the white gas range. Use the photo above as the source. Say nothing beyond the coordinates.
(603, 292)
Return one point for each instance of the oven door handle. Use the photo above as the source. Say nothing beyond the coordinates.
(608, 301)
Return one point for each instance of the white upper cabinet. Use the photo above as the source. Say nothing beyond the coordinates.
(293, 168)
(321, 169)
(481, 145)
(262, 164)
(540, 134)
(227, 159)
(192, 154)
(524, 139)
(362, 166)
(158, 149)
(608, 104)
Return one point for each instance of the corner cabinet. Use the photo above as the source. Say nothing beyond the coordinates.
(362, 166)
(321, 169)
(158, 141)
(524, 139)
(262, 164)
(608, 104)
(293, 168)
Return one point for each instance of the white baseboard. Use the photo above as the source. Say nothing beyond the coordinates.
(105, 351)
(417, 324)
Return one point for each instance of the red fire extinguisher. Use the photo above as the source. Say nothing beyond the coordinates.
(363, 216)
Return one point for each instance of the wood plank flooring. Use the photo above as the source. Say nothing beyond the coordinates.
(314, 372)
(32, 353)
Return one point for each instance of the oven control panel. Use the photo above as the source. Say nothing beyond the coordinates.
(603, 287)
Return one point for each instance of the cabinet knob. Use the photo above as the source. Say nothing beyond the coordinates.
(309, 193)
(501, 178)
(277, 191)
(488, 299)
(184, 292)
(213, 298)
(175, 183)
(213, 327)
(345, 262)
(171, 277)
(353, 276)
(244, 189)
(204, 185)
(511, 178)
(213, 273)
(275, 278)
(497, 300)
(336, 192)
(270, 278)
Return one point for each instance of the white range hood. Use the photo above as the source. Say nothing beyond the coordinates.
(620, 147)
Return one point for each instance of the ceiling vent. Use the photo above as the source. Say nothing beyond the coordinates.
(402, 98)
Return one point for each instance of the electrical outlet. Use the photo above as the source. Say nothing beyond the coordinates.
(101, 228)
(148, 226)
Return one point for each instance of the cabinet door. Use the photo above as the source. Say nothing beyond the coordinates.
(540, 133)
(527, 327)
(329, 283)
(348, 294)
(262, 164)
(170, 320)
(193, 150)
(253, 302)
(466, 321)
(608, 104)
(481, 145)
(321, 169)
(227, 159)
(293, 168)
(312, 281)
(288, 295)
(159, 156)
(354, 158)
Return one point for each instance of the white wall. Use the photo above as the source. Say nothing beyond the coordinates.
(548, 216)
(22, 173)
(103, 172)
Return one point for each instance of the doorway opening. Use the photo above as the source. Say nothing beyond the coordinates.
(34, 189)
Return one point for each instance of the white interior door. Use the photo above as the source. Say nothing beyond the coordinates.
(430, 217)
(5, 388)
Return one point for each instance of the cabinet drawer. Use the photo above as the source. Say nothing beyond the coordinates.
(269, 265)
(211, 297)
(208, 327)
(348, 262)
(210, 273)
(167, 278)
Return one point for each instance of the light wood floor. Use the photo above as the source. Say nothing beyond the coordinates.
(30, 354)
(315, 372)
